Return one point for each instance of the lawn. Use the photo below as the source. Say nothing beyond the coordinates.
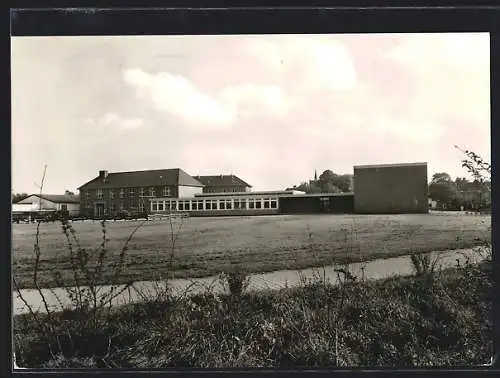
(207, 246)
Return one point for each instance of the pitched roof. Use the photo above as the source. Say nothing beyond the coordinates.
(158, 177)
(56, 198)
(222, 180)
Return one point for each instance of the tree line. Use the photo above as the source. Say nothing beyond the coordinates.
(460, 193)
(327, 182)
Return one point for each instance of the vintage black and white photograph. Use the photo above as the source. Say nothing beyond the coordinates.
(251, 201)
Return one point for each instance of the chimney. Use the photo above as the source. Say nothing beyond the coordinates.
(103, 175)
(221, 176)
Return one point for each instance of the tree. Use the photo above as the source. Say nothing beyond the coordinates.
(480, 170)
(442, 177)
(443, 190)
(16, 197)
(334, 182)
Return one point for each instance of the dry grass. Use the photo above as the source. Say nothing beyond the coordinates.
(208, 246)
(400, 322)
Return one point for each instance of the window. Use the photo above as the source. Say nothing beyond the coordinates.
(258, 204)
(151, 192)
(267, 203)
(112, 207)
(181, 205)
(111, 194)
(166, 191)
(141, 206)
(131, 192)
(160, 206)
(228, 205)
(237, 204)
(99, 193)
(87, 194)
(251, 203)
(141, 192)
(208, 205)
(200, 205)
(187, 205)
(121, 206)
(174, 205)
(154, 206)
(64, 207)
(222, 204)
(243, 203)
(132, 203)
(274, 203)
(167, 205)
(194, 205)
(122, 193)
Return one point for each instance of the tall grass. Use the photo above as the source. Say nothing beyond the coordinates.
(63, 328)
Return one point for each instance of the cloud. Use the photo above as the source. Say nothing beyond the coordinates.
(313, 63)
(174, 94)
(115, 121)
(425, 52)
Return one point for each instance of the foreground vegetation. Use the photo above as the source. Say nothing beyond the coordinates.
(432, 319)
(207, 246)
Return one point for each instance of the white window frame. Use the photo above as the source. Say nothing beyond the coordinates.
(152, 191)
(99, 193)
(111, 194)
(166, 191)
(258, 201)
(275, 200)
(131, 192)
(122, 192)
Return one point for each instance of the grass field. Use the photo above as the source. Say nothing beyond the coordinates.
(207, 246)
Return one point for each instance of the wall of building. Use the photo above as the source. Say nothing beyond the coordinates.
(317, 204)
(73, 208)
(114, 203)
(391, 189)
(214, 213)
(189, 191)
(34, 201)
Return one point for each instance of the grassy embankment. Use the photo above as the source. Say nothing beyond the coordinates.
(439, 319)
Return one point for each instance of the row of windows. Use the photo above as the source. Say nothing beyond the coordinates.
(221, 204)
(224, 190)
(131, 192)
(121, 207)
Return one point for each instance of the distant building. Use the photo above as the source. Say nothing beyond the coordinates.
(48, 202)
(130, 192)
(223, 184)
(391, 188)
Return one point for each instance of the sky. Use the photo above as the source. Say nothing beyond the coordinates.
(269, 109)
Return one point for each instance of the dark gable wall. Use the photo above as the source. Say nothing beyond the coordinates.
(397, 189)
